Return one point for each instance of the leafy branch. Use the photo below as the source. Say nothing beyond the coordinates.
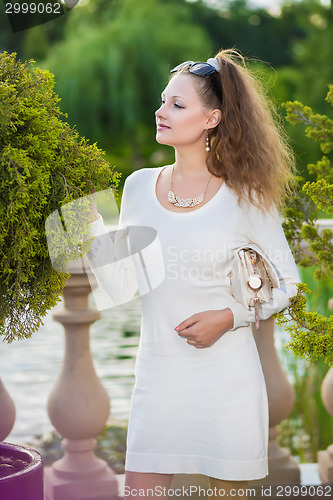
(311, 333)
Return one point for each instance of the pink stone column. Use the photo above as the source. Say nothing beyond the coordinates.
(79, 405)
(7, 412)
(283, 469)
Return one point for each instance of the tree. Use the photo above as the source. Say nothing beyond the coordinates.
(311, 332)
(254, 31)
(44, 164)
(312, 54)
(110, 70)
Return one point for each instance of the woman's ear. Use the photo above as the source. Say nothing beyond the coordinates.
(214, 118)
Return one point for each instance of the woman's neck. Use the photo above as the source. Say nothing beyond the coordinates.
(191, 164)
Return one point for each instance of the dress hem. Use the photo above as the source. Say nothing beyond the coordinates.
(229, 470)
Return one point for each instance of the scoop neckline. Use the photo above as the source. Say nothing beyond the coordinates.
(163, 209)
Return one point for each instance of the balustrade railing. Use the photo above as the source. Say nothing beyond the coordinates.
(283, 469)
(7, 412)
(79, 406)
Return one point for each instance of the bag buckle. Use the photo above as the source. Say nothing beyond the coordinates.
(255, 282)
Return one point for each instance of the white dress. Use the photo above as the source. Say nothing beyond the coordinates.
(201, 411)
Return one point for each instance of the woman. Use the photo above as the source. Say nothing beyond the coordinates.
(200, 404)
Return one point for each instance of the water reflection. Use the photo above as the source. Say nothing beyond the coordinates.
(29, 368)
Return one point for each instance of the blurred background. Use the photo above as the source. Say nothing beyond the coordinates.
(111, 60)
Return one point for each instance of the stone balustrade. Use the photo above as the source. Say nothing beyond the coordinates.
(283, 469)
(79, 406)
(7, 412)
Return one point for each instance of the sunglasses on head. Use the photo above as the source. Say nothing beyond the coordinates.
(199, 68)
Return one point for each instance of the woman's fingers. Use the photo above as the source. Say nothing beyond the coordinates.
(187, 323)
(195, 344)
(187, 333)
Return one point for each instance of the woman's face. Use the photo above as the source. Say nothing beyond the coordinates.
(181, 119)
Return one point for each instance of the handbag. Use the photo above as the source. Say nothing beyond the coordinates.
(252, 278)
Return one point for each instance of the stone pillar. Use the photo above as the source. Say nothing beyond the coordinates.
(7, 412)
(325, 457)
(79, 405)
(283, 469)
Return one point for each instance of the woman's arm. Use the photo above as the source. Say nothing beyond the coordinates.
(205, 328)
(265, 230)
(109, 258)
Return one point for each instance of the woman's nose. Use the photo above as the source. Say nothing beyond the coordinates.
(160, 112)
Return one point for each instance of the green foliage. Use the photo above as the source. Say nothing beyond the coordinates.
(313, 53)
(311, 333)
(300, 209)
(319, 127)
(110, 69)
(313, 195)
(44, 164)
(321, 193)
(253, 30)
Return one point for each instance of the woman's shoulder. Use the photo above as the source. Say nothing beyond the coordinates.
(141, 175)
(249, 205)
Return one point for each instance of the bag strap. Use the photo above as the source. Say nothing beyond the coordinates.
(253, 260)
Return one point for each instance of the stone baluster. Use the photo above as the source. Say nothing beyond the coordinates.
(283, 469)
(7, 412)
(79, 405)
(325, 457)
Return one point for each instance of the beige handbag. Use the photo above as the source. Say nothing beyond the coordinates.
(252, 277)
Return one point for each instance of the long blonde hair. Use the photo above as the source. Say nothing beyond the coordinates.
(249, 148)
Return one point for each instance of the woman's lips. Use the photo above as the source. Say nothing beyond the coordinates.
(161, 126)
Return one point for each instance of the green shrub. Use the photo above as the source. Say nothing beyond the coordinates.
(311, 333)
(44, 164)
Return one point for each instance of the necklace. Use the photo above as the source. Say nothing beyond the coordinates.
(185, 202)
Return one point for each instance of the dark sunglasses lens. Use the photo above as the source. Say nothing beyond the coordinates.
(182, 65)
(202, 69)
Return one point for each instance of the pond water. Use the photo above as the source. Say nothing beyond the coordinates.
(29, 368)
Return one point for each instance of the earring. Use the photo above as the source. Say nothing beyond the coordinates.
(207, 142)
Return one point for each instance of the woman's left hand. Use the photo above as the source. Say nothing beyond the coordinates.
(203, 329)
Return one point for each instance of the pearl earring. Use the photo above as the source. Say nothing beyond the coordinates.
(207, 142)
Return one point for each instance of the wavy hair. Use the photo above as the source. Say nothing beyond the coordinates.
(249, 148)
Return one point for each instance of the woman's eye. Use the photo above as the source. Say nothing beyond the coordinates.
(176, 105)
